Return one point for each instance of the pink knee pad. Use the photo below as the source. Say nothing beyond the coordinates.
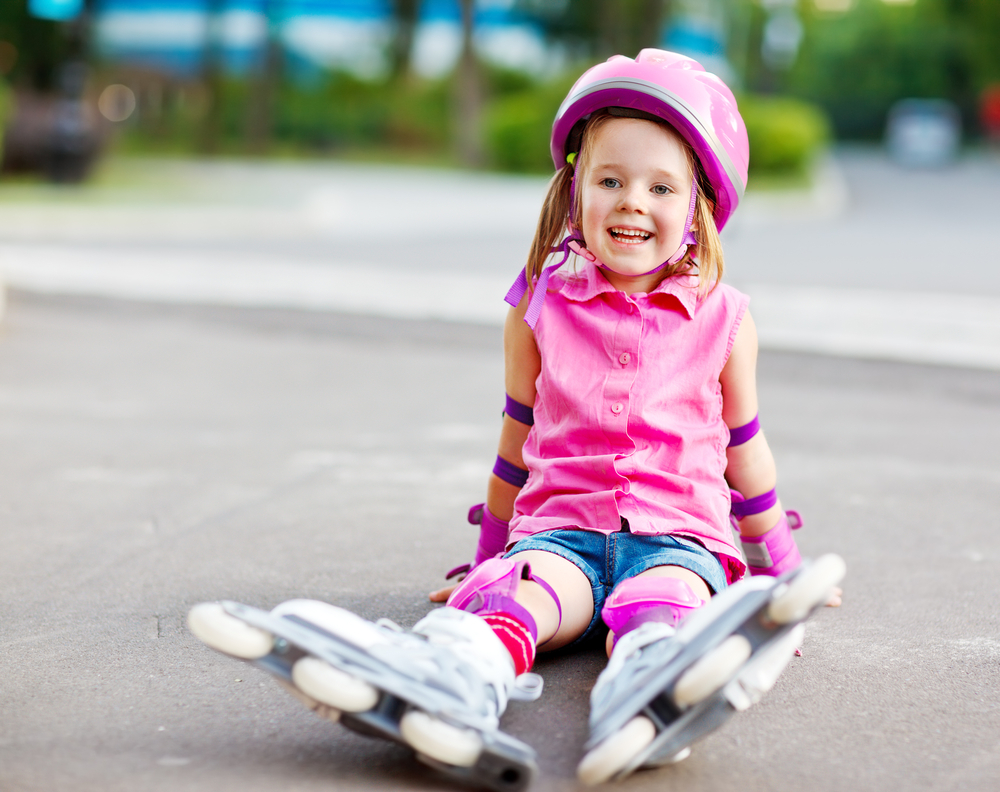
(490, 588)
(774, 552)
(644, 599)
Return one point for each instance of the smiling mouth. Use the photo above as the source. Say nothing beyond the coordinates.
(629, 236)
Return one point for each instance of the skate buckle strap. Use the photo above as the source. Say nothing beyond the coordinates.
(775, 552)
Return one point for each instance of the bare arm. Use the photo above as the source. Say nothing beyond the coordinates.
(522, 364)
(750, 467)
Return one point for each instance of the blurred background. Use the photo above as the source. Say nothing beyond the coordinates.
(388, 157)
(474, 82)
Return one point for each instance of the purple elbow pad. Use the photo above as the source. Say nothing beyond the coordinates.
(742, 434)
(510, 473)
(519, 412)
(774, 552)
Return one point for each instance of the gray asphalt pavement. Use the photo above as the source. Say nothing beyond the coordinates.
(157, 456)
(188, 412)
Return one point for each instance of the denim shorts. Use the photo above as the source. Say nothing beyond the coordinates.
(608, 559)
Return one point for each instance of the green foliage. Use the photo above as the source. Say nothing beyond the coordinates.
(350, 113)
(518, 126)
(341, 115)
(785, 134)
(40, 45)
(857, 64)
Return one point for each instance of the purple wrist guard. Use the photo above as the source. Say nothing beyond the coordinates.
(510, 473)
(743, 507)
(742, 434)
(774, 552)
(492, 538)
(519, 412)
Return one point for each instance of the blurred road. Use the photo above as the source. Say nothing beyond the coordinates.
(876, 261)
(166, 451)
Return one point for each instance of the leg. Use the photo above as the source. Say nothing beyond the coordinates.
(533, 598)
(640, 599)
(439, 688)
(562, 622)
(676, 676)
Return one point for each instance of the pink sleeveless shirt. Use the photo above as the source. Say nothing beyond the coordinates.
(628, 415)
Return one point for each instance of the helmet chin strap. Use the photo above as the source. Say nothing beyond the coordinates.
(573, 241)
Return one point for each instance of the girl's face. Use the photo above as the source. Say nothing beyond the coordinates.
(635, 200)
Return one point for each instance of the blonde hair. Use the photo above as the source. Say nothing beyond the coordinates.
(706, 258)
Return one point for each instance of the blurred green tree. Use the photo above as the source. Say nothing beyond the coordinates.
(405, 14)
(857, 63)
(33, 48)
(600, 28)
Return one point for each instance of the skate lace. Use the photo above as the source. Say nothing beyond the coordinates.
(471, 663)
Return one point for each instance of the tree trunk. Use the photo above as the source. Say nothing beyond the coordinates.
(264, 86)
(469, 96)
(405, 15)
(211, 77)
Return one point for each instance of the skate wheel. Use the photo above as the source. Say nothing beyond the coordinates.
(321, 709)
(807, 590)
(331, 686)
(603, 761)
(451, 745)
(213, 626)
(711, 672)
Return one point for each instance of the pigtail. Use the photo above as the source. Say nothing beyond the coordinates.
(709, 249)
(551, 223)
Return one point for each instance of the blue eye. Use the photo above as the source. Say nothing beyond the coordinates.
(661, 189)
(609, 183)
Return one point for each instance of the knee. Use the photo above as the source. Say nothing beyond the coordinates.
(490, 585)
(648, 599)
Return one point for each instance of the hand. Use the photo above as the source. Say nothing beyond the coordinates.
(836, 597)
(441, 595)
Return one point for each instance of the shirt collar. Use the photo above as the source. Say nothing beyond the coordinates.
(588, 282)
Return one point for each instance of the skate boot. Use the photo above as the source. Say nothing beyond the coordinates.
(439, 688)
(665, 687)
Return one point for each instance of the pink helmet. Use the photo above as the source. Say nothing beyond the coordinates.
(679, 90)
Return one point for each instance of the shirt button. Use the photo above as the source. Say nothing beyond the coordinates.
(617, 407)
(624, 358)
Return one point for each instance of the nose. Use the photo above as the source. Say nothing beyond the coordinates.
(632, 199)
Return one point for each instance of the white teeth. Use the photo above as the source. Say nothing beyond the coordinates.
(631, 232)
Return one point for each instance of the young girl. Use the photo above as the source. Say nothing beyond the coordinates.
(630, 436)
